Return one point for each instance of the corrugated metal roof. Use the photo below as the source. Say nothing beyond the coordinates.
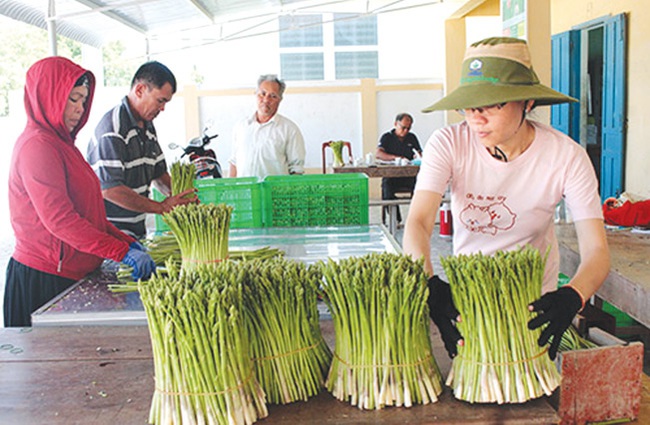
(35, 15)
(97, 21)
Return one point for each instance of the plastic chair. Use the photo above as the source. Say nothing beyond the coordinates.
(327, 144)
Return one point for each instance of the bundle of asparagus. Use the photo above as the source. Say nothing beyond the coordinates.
(291, 358)
(337, 150)
(165, 246)
(500, 360)
(383, 351)
(201, 231)
(202, 365)
(182, 175)
(571, 340)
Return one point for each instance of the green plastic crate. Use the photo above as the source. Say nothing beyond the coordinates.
(315, 200)
(161, 226)
(242, 193)
(622, 319)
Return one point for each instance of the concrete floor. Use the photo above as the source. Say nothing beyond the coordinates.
(440, 246)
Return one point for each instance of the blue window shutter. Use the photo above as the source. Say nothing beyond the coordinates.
(565, 78)
(614, 93)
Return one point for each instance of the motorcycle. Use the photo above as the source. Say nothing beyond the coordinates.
(205, 160)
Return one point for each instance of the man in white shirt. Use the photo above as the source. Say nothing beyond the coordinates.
(267, 143)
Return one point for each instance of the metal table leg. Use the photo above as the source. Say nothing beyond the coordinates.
(392, 223)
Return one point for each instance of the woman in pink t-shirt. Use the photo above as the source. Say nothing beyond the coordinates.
(506, 174)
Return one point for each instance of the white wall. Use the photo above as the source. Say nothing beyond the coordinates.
(390, 103)
(480, 27)
(321, 117)
(412, 42)
(411, 49)
(226, 64)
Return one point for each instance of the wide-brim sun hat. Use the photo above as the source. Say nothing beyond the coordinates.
(497, 70)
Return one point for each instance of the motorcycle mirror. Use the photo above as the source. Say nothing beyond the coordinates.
(209, 124)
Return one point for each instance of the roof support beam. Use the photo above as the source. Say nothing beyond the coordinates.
(124, 21)
(19, 11)
(203, 10)
(51, 27)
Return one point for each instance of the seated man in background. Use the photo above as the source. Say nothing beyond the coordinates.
(397, 144)
(266, 143)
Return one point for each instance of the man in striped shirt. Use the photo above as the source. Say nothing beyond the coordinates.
(126, 156)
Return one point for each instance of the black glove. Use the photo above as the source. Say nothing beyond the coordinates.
(443, 313)
(557, 308)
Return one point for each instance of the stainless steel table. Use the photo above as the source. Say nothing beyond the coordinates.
(89, 302)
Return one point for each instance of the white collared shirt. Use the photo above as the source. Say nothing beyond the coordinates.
(275, 147)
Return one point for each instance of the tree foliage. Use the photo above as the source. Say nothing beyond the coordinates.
(118, 70)
(21, 46)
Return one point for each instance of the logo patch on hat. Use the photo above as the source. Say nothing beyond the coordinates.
(475, 68)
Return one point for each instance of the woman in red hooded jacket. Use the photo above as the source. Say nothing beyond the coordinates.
(55, 202)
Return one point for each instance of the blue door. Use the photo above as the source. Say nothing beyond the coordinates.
(613, 116)
(565, 78)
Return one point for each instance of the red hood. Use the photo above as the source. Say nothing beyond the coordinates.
(49, 82)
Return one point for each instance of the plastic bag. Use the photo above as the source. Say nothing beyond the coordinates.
(627, 213)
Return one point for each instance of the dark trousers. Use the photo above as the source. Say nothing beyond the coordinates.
(391, 186)
(27, 289)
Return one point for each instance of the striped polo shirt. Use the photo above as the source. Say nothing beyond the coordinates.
(121, 153)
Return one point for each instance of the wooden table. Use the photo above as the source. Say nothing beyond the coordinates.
(380, 170)
(104, 375)
(628, 284)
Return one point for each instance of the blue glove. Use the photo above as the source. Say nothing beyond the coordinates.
(143, 265)
(137, 245)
